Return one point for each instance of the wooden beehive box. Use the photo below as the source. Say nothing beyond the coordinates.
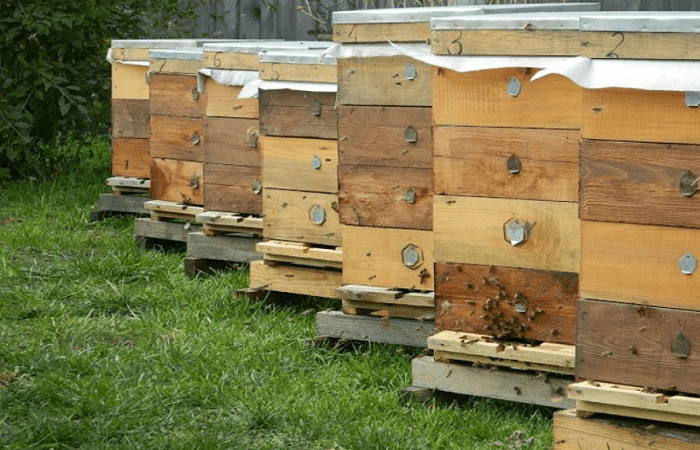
(507, 233)
(232, 157)
(639, 239)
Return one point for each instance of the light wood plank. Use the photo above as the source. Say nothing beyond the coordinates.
(312, 73)
(223, 101)
(177, 138)
(395, 331)
(481, 99)
(630, 45)
(131, 157)
(288, 216)
(381, 32)
(506, 42)
(290, 163)
(638, 264)
(129, 82)
(130, 54)
(176, 181)
(174, 66)
(638, 115)
(295, 279)
(373, 257)
(302, 254)
(129, 182)
(234, 61)
(176, 95)
(373, 294)
(172, 210)
(472, 230)
(388, 310)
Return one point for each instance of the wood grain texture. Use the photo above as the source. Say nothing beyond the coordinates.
(172, 181)
(131, 157)
(130, 54)
(481, 99)
(172, 95)
(300, 280)
(130, 118)
(375, 136)
(174, 66)
(290, 113)
(632, 344)
(483, 299)
(234, 61)
(373, 257)
(471, 230)
(638, 264)
(376, 197)
(222, 248)
(168, 231)
(287, 164)
(229, 188)
(223, 101)
(631, 45)
(472, 161)
(381, 32)
(314, 73)
(638, 183)
(230, 140)
(506, 42)
(641, 116)
(129, 82)
(382, 81)
(287, 216)
(574, 433)
(175, 137)
(395, 331)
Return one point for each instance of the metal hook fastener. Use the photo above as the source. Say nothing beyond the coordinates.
(316, 162)
(688, 264)
(194, 182)
(513, 165)
(195, 138)
(514, 87)
(317, 214)
(516, 232)
(411, 256)
(316, 108)
(195, 94)
(257, 187)
(688, 184)
(410, 195)
(410, 72)
(410, 134)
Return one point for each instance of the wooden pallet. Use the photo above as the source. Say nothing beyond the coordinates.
(129, 185)
(146, 229)
(128, 197)
(216, 223)
(574, 433)
(630, 401)
(301, 254)
(475, 348)
(207, 254)
(161, 210)
(294, 279)
(384, 330)
(522, 386)
(366, 300)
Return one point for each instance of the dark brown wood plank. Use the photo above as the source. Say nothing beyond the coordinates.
(173, 95)
(375, 135)
(489, 300)
(638, 345)
(179, 138)
(130, 118)
(176, 181)
(231, 140)
(131, 157)
(638, 183)
(229, 188)
(377, 197)
(298, 114)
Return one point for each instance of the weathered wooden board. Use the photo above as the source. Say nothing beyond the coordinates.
(300, 164)
(389, 197)
(169, 231)
(174, 66)
(382, 81)
(381, 32)
(481, 99)
(130, 118)
(505, 302)
(176, 95)
(638, 345)
(232, 188)
(472, 230)
(228, 60)
(373, 294)
(506, 42)
(395, 331)
(638, 115)
(176, 181)
(166, 210)
(129, 82)
(638, 264)
(474, 161)
(300, 280)
(301, 254)
(130, 54)
(573, 433)
(298, 114)
(222, 248)
(513, 385)
(131, 157)
(295, 216)
(215, 223)
(388, 310)
(630, 45)
(313, 73)
(375, 257)
(110, 204)
(223, 101)
(230, 140)
(385, 136)
(177, 138)
(639, 183)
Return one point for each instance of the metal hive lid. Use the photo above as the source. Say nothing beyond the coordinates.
(190, 54)
(531, 21)
(643, 22)
(315, 56)
(261, 46)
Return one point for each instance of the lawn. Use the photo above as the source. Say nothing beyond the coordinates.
(105, 345)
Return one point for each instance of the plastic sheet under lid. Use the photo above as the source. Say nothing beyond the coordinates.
(314, 56)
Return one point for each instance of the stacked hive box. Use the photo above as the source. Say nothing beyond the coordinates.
(299, 150)
(507, 234)
(638, 317)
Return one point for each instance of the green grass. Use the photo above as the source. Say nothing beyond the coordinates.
(103, 345)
